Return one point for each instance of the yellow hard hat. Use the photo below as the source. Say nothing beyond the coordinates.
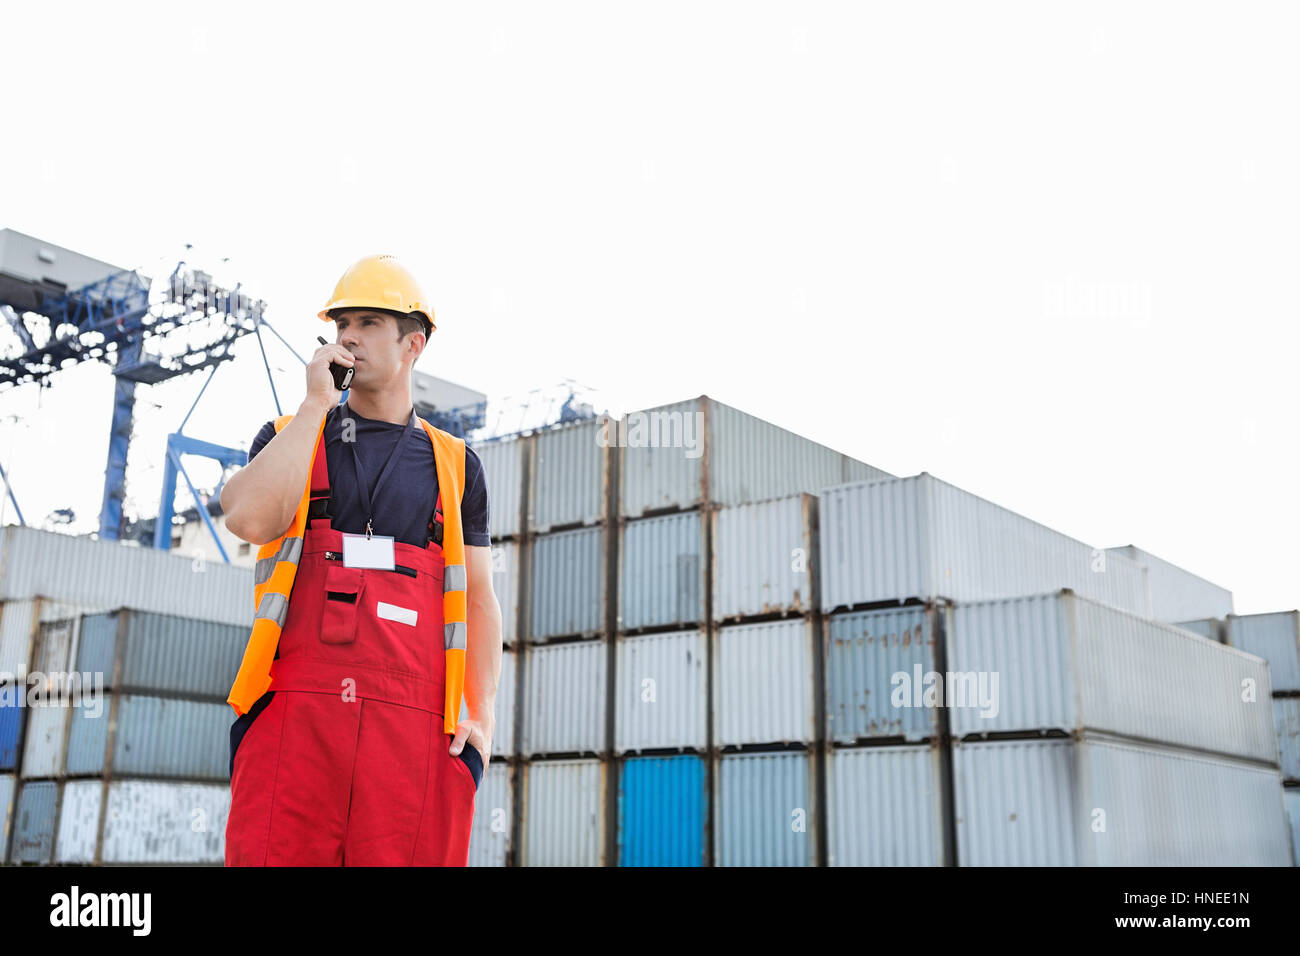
(379, 282)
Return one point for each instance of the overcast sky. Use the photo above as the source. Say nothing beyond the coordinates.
(1045, 253)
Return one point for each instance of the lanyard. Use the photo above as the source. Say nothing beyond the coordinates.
(388, 467)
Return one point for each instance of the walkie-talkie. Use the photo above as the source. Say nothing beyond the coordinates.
(342, 373)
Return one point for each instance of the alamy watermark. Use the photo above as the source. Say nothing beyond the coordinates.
(951, 689)
(655, 429)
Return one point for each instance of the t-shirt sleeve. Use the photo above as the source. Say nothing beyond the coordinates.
(474, 503)
(264, 435)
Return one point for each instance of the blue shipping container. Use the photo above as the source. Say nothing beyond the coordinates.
(11, 722)
(661, 811)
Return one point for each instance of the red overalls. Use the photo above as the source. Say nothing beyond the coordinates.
(348, 763)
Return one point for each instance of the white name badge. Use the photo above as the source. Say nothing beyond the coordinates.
(362, 552)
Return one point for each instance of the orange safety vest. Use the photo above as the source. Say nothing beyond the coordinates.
(277, 565)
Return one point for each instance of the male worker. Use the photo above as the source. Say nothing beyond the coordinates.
(375, 609)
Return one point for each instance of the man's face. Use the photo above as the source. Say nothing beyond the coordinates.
(371, 337)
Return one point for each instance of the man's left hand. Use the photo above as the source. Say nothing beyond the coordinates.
(474, 731)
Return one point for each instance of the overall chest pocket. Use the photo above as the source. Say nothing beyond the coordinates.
(343, 591)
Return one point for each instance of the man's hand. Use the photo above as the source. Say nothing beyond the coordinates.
(478, 736)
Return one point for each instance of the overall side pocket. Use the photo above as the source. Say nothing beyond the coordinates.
(343, 587)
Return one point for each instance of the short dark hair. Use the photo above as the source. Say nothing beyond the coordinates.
(406, 323)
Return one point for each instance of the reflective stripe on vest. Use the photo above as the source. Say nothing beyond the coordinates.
(277, 565)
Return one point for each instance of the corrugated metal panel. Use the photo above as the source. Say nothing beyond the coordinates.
(503, 730)
(1046, 802)
(660, 695)
(53, 651)
(166, 653)
(568, 575)
(865, 652)
(6, 807)
(46, 735)
(885, 807)
(661, 811)
(570, 475)
(766, 815)
(17, 624)
(11, 728)
(149, 821)
(1274, 637)
(1061, 661)
(505, 584)
(34, 823)
(1211, 627)
(1178, 595)
(79, 821)
(763, 683)
(920, 537)
(1017, 803)
(661, 574)
(1291, 800)
(489, 842)
(763, 558)
(753, 460)
(156, 737)
(565, 709)
(564, 813)
(503, 467)
(103, 574)
(1286, 718)
(662, 451)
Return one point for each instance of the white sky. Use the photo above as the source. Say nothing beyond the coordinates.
(1046, 254)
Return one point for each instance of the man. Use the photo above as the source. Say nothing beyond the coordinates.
(374, 589)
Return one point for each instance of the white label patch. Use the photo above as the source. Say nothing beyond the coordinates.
(391, 612)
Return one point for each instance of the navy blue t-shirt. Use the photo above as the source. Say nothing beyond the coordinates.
(411, 489)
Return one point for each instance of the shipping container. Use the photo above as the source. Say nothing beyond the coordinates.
(920, 537)
(503, 716)
(872, 659)
(151, 821)
(503, 467)
(662, 811)
(763, 683)
(1286, 718)
(1291, 800)
(1178, 595)
(489, 842)
(17, 629)
(1211, 627)
(886, 806)
(1094, 801)
(11, 727)
(105, 574)
(764, 557)
(154, 737)
(34, 816)
(564, 813)
(1063, 662)
(162, 652)
(568, 584)
(505, 584)
(564, 710)
(6, 812)
(660, 692)
(1274, 637)
(569, 483)
(766, 810)
(661, 572)
(79, 821)
(667, 452)
(47, 737)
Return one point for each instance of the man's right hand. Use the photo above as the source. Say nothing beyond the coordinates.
(320, 381)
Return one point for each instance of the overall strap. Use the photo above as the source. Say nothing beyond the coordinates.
(318, 507)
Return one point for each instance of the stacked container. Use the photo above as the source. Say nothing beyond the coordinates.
(1276, 637)
(1087, 735)
(565, 695)
(136, 770)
